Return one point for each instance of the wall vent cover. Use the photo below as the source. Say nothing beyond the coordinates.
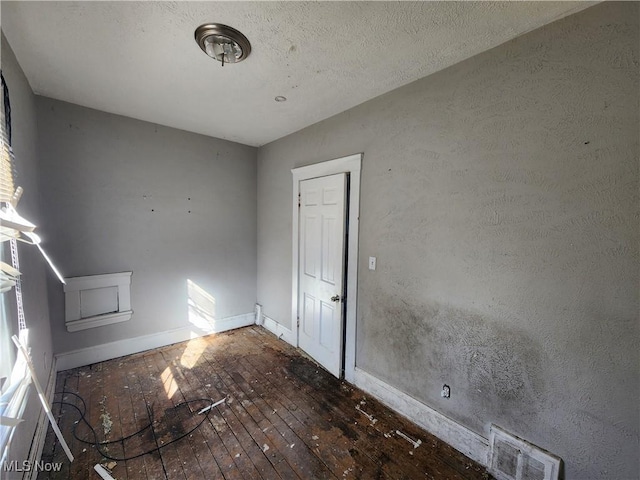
(97, 300)
(511, 458)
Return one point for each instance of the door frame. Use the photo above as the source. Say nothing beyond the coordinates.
(352, 165)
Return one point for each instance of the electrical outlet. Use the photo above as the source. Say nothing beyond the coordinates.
(446, 391)
(372, 263)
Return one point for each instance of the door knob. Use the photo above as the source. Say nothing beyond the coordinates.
(335, 298)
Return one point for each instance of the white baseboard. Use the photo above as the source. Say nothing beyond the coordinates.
(40, 434)
(461, 438)
(120, 348)
(279, 331)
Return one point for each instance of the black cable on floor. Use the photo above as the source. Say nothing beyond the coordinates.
(82, 411)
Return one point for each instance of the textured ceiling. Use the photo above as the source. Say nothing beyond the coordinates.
(139, 59)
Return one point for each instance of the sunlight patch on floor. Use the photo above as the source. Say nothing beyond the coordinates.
(169, 382)
(193, 352)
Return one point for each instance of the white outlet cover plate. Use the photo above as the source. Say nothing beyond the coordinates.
(372, 263)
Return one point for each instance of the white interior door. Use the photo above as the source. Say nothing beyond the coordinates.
(321, 268)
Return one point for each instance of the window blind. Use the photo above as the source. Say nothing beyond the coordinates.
(13, 227)
(15, 387)
(7, 187)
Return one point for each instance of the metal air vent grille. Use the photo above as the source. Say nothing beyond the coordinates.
(511, 458)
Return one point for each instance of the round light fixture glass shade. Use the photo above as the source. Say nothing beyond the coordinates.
(222, 49)
(223, 43)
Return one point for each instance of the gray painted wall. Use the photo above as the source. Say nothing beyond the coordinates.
(500, 197)
(32, 266)
(118, 192)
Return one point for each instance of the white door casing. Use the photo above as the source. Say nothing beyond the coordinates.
(351, 165)
(321, 264)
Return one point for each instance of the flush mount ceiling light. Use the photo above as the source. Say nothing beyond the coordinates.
(225, 44)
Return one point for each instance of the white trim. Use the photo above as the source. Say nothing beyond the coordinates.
(89, 282)
(279, 331)
(352, 165)
(259, 316)
(231, 323)
(73, 300)
(459, 437)
(98, 321)
(40, 434)
(128, 346)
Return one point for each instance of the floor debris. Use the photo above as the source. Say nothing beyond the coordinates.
(106, 423)
(289, 414)
(371, 418)
(415, 443)
(102, 472)
(205, 409)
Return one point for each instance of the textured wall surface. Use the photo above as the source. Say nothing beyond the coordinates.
(298, 51)
(126, 195)
(500, 197)
(32, 266)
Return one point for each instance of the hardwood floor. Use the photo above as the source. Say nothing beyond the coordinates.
(283, 417)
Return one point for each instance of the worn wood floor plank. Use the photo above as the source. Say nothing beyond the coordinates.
(175, 409)
(284, 418)
(192, 388)
(261, 430)
(157, 388)
(387, 451)
(52, 451)
(153, 466)
(74, 385)
(207, 467)
(242, 426)
(135, 467)
(91, 385)
(331, 437)
(114, 426)
(298, 421)
(377, 440)
(305, 464)
(200, 374)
